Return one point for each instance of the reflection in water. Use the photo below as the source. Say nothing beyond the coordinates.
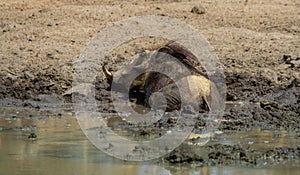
(61, 148)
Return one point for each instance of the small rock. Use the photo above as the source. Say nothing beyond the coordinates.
(198, 10)
(293, 61)
(50, 55)
(3, 88)
(32, 136)
(265, 104)
(28, 75)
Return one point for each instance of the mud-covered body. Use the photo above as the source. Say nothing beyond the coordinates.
(193, 85)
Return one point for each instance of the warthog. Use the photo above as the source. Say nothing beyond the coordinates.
(164, 77)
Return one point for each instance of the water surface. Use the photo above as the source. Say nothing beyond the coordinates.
(62, 148)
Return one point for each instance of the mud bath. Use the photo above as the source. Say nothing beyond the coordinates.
(257, 42)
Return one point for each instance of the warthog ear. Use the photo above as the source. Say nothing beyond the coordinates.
(165, 49)
(183, 55)
(107, 74)
(161, 52)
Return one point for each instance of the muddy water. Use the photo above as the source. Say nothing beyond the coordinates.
(62, 148)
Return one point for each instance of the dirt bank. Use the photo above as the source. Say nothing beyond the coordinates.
(257, 41)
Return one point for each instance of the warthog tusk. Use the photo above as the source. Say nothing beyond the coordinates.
(107, 74)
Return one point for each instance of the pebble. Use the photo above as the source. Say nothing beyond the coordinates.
(32, 136)
(250, 143)
(198, 10)
(218, 132)
(28, 75)
(293, 61)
